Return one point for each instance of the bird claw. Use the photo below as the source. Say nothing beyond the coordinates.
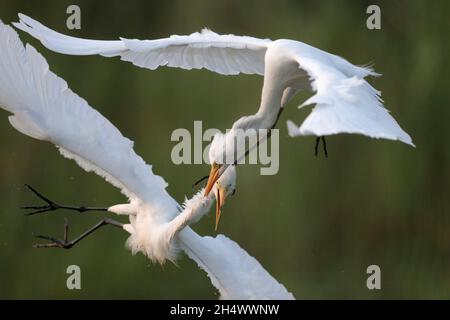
(68, 244)
(50, 206)
(53, 243)
(39, 209)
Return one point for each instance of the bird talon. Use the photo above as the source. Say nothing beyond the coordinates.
(53, 206)
(56, 244)
(50, 206)
(41, 209)
(53, 243)
(46, 238)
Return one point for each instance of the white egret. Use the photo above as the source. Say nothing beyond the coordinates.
(344, 101)
(43, 107)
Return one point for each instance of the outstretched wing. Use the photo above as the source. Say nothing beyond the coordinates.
(344, 101)
(44, 108)
(224, 54)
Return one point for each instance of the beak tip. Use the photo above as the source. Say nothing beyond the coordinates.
(220, 201)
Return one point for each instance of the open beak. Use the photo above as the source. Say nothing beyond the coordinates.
(220, 201)
(214, 175)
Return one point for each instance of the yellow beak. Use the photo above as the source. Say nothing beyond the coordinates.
(213, 177)
(220, 201)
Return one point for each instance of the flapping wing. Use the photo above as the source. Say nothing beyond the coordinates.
(44, 108)
(344, 101)
(224, 54)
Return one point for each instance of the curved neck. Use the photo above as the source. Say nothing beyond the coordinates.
(271, 96)
(268, 111)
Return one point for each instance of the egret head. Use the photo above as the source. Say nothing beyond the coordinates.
(229, 148)
(222, 178)
(218, 158)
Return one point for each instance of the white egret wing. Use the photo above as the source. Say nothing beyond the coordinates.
(344, 101)
(224, 54)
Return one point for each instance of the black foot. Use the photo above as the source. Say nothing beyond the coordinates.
(52, 206)
(65, 243)
(54, 242)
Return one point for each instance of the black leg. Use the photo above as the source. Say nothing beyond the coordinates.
(316, 148)
(278, 117)
(52, 206)
(324, 146)
(65, 243)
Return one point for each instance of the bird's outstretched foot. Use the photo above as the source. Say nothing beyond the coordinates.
(65, 243)
(54, 242)
(324, 143)
(52, 206)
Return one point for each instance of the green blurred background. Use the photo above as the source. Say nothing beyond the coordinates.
(316, 225)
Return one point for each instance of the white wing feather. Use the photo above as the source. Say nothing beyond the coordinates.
(45, 108)
(344, 101)
(224, 54)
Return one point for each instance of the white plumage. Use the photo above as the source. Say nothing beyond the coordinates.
(345, 102)
(223, 54)
(44, 108)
